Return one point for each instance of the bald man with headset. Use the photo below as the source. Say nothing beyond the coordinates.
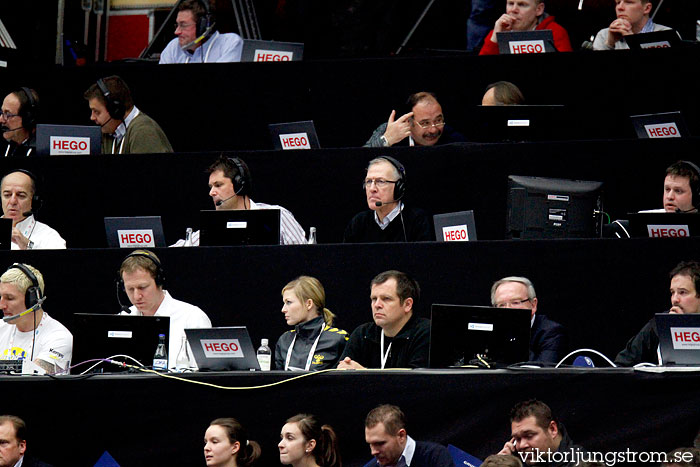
(27, 332)
(125, 129)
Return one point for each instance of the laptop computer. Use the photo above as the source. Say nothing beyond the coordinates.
(60, 140)
(222, 349)
(5, 233)
(679, 339)
(271, 51)
(294, 135)
(660, 125)
(664, 224)
(458, 333)
(514, 123)
(239, 227)
(97, 335)
(455, 226)
(134, 232)
(525, 42)
(654, 40)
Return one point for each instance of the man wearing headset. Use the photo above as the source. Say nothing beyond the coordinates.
(33, 336)
(142, 278)
(19, 203)
(388, 219)
(18, 120)
(197, 40)
(125, 129)
(230, 187)
(681, 186)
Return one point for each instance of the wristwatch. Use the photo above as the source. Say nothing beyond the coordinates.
(384, 141)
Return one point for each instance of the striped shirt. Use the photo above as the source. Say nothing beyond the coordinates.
(291, 233)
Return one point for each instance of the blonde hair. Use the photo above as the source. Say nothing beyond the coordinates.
(19, 279)
(307, 287)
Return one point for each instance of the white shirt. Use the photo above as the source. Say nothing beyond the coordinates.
(383, 224)
(291, 233)
(218, 48)
(53, 342)
(41, 236)
(182, 316)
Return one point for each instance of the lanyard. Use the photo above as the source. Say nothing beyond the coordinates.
(121, 145)
(311, 352)
(384, 356)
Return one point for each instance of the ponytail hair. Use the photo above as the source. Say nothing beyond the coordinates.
(307, 287)
(326, 451)
(249, 451)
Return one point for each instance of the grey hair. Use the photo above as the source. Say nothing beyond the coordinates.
(521, 280)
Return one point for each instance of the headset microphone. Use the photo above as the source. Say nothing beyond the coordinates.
(33, 308)
(222, 201)
(681, 211)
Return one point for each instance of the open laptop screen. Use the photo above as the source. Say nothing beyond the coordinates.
(59, 140)
(239, 227)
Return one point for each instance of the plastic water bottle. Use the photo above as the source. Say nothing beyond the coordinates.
(160, 359)
(312, 236)
(182, 363)
(264, 355)
(188, 237)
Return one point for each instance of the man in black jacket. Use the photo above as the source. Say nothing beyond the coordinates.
(385, 432)
(13, 443)
(547, 337)
(685, 298)
(397, 338)
(536, 436)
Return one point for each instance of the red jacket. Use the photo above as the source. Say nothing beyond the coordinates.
(561, 38)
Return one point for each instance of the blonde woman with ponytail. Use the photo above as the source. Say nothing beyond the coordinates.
(314, 344)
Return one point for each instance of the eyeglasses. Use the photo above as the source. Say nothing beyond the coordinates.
(183, 25)
(7, 115)
(425, 125)
(512, 303)
(379, 182)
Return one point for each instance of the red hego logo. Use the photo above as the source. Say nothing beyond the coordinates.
(455, 233)
(222, 348)
(663, 130)
(665, 231)
(295, 141)
(526, 47)
(63, 145)
(685, 338)
(136, 238)
(272, 56)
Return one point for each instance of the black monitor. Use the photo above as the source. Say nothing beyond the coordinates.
(553, 208)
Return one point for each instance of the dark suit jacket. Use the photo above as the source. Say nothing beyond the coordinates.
(547, 340)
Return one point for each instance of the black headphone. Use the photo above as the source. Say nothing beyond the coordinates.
(29, 110)
(242, 181)
(33, 294)
(400, 185)
(114, 106)
(160, 274)
(694, 185)
(206, 21)
(36, 199)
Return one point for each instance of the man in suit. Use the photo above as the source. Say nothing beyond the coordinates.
(547, 337)
(13, 443)
(385, 432)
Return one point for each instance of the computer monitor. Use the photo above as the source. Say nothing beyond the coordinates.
(515, 123)
(664, 224)
(679, 338)
(294, 135)
(458, 333)
(239, 227)
(255, 50)
(60, 140)
(660, 125)
(134, 232)
(541, 207)
(525, 42)
(221, 349)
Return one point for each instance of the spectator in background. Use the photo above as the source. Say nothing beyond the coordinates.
(632, 18)
(226, 444)
(502, 93)
(18, 119)
(306, 443)
(526, 15)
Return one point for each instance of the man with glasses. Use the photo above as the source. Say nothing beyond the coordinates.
(422, 125)
(547, 338)
(197, 40)
(389, 219)
(18, 119)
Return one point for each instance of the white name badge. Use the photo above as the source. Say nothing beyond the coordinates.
(119, 334)
(455, 233)
(237, 225)
(518, 122)
(663, 130)
(222, 348)
(685, 338)
(480, 327)
(295, 141)
(68, 145)
(664, 231)
(526, 47)
(136, 238)
(272, 56)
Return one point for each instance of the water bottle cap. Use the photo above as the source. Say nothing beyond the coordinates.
(263, 342)
(161, 335)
